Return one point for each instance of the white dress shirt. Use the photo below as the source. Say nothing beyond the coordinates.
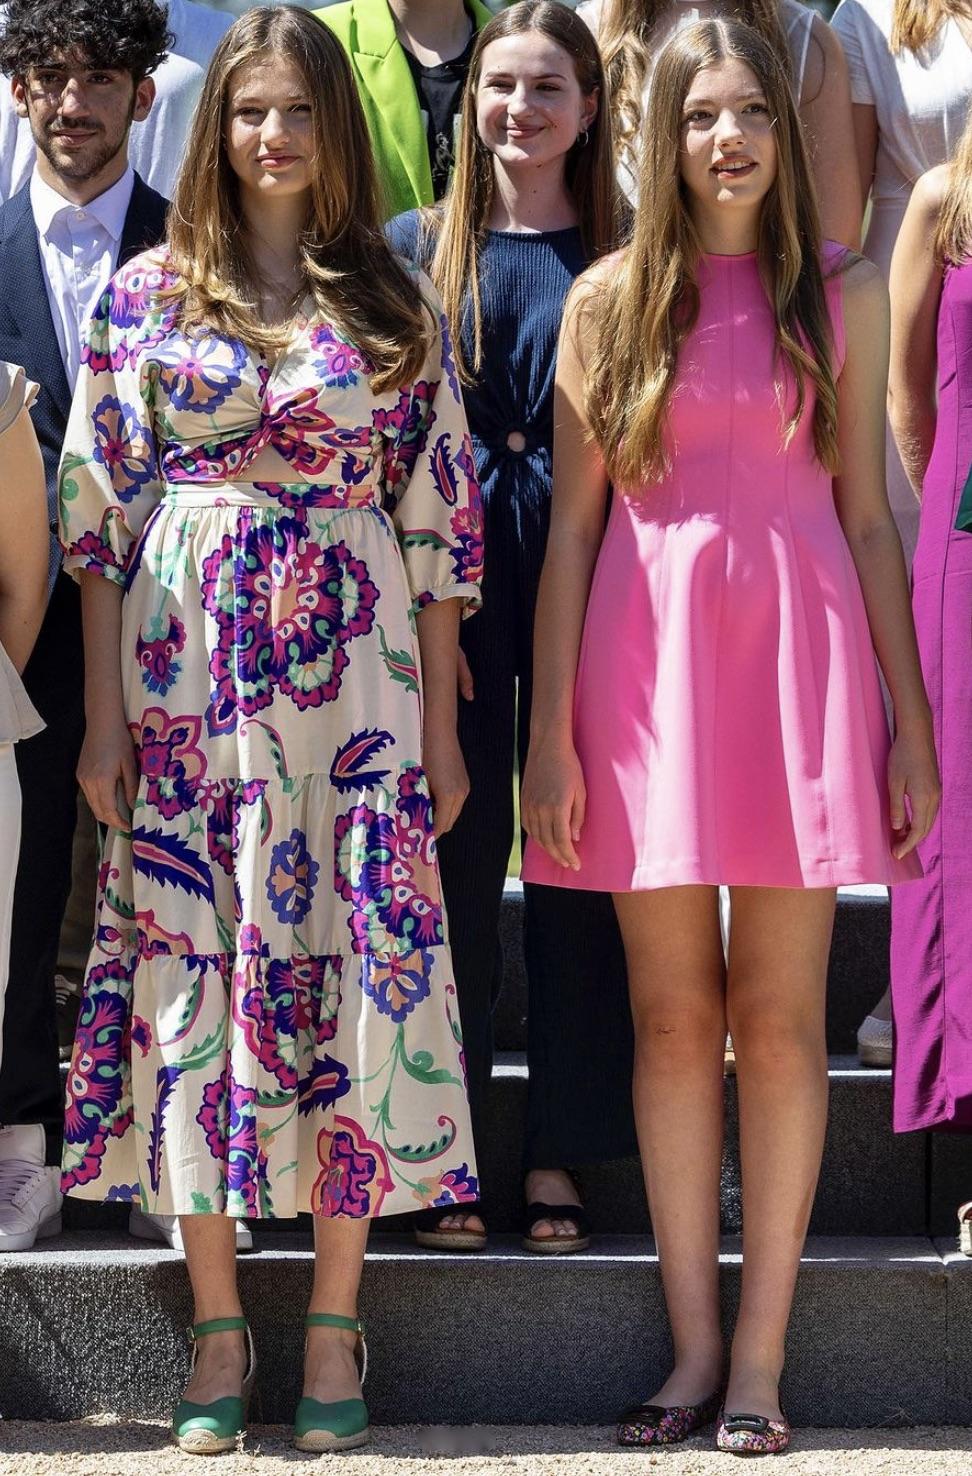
(155, 147)
(79, 252)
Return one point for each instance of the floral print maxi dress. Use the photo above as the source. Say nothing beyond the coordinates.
(269, 1021)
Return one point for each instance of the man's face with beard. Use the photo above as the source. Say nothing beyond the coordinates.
(80, 115)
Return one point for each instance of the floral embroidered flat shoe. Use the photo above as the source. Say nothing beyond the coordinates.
(209, 1429)
(341, 1424)
(747, 1434)
(660, 1424)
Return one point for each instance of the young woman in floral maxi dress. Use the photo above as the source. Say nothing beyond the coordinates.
(267, 494)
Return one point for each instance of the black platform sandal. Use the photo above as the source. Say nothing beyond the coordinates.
(556, 1245)
(425, 1225)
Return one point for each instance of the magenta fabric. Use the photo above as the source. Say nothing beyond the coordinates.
(728, 713)
(931, 922)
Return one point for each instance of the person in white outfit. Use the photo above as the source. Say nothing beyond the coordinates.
(23, 599)
(911, 82)
(157, 147)
(633, 32)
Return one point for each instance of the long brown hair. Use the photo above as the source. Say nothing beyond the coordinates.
(916, 22)
(641, 316)
(953, 239)
(347, 265)
(460, 226)
(626, 39)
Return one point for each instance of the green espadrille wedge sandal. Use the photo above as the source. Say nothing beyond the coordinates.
(209, 1429)
(343, 1424)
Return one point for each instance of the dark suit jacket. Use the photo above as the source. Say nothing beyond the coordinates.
(27, 335)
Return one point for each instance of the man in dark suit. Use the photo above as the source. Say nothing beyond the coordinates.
(80, 74)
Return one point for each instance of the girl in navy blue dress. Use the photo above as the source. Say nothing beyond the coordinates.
(533, 203)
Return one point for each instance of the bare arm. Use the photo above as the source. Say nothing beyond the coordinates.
(826, 111)
(553, 797)
(862, 504)
(438, 635)
(865, 125)
(916, 287)
(24, 540)
(107, 771)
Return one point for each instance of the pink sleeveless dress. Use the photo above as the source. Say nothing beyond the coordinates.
(728, 713)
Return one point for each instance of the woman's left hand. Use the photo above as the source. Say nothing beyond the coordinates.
(913, 776)
(445, 770)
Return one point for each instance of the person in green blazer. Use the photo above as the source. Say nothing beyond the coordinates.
(409, 59)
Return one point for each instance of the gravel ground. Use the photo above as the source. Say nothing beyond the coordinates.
(105, 1447)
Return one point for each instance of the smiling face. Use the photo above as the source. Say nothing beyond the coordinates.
(728, 153)
(80, 114)
(529, 104)
(269, 129)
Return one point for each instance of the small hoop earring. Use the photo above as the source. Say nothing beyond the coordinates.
(583, 139)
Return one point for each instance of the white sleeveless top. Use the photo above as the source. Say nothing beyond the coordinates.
(18, 717)
(797, 22)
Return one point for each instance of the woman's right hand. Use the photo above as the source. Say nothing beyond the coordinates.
(553, 801)
(107, 772)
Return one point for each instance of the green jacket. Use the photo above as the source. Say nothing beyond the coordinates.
(366, 30)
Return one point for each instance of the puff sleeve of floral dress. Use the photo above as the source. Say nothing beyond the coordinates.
(269, 1022)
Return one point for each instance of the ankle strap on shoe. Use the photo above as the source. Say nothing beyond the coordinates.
(217, 1325)
(331, 1319)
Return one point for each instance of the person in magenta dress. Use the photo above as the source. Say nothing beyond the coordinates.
(717, 716)
(931, 413)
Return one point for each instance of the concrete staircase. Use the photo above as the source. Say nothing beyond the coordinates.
(93, 1321)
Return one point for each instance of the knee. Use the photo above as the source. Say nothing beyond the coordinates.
(677, 1034)
(770, 1033)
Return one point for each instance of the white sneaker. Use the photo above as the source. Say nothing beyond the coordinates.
(874, 1042)
(167, 1231)
(30, 1192)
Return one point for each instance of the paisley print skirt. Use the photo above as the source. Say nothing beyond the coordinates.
(269, 1022)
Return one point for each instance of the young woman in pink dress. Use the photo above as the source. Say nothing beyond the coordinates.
(717, 718)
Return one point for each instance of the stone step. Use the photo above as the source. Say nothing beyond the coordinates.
(879, 1331)
(857, 979)
(873, 1182)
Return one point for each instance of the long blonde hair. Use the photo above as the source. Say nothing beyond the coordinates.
(916, 22)
(460, 227)
(953, 238)
(643, 313)
(626, 40)
(347, 265)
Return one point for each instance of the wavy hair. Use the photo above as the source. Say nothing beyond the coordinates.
(953, 238)
(625, 37)
(642, 315)
(460, 226)
(915, 23)
(346, 263)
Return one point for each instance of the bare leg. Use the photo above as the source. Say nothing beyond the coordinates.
(551, 1186)
(676, 975)
(330, 1371)
(210, 1242)
(776, 1000)
(882, 1010)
